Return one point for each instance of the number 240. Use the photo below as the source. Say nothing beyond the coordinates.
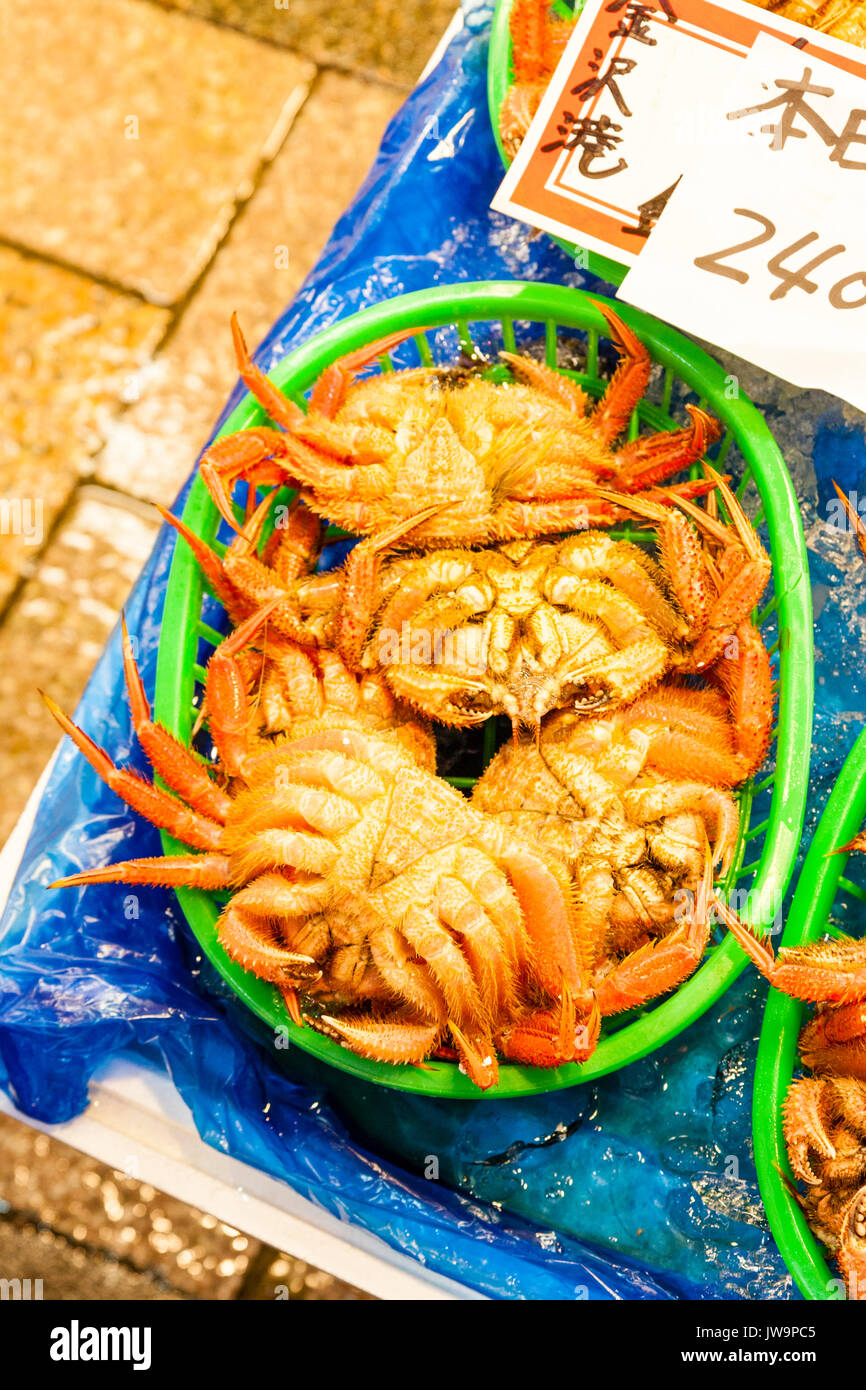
(789, 278)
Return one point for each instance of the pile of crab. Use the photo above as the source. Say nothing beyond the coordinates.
(393, 913)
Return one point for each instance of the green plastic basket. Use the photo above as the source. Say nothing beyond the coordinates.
(770, 845)
(500, 72)
(820, 906)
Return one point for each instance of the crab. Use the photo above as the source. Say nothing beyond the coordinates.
(825, 1115)
(538, 40)
(637, 807)
(392, 915)
(531, 626)
(441, 456)
(825, 1134)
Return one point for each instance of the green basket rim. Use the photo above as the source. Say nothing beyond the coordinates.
(499, 74)
(817, 888)
(552, 305)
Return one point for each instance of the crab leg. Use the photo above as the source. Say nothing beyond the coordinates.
(659, 966)
(179, 767)
(516, 520)
(854, 517)
(149, 801)
(282, 411)
(746, 677)
(388, 1039)
(360, 573)
(232, 600)
(537, 1039)
(544, 893)
(833, 971)
(255, 947)
(647, 461)
(294, 547)
(226, 697)
(252, 454)
(462, 912)
(628, 383)
(330, 389)
(741, 592)
(559, 388)
(208, 871)
(835, 1041)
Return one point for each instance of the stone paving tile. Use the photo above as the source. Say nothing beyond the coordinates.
(69, 1272)
(389, 39)
(271, 248)
(128, 132)
(57, 627)
(67, 349)
(55, 1185)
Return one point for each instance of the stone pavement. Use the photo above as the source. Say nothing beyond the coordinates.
(161, 166)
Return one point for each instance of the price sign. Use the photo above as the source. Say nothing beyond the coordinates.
(762, 248)
(633, 103)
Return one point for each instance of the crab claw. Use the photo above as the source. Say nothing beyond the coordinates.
(805, 1129)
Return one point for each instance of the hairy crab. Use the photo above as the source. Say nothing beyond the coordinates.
(825, 1114)
(636, 806)
(443, 456)
(524, 628)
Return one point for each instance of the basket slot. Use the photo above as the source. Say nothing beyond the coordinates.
(464, 337)
(740, 489)
(747, 869)
(488, 741)
(424, 351)
(854, 889)
(550, 343)
(592, 352)
(721, 452)
(767, 610)
(667, 390)
(208, 633)
(755, 830)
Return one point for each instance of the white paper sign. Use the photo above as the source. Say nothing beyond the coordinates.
(762, 248)
(632, 104)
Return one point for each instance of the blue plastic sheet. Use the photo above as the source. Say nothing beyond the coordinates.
(639, 1186)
